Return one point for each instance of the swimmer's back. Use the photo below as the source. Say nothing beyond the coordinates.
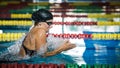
(32, 39)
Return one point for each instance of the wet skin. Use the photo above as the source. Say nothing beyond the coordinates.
(36, 38)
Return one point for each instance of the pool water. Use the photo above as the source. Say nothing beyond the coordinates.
(95, 52)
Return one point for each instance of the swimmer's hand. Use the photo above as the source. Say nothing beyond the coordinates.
(66, 46)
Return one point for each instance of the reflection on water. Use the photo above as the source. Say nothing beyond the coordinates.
(102, 51)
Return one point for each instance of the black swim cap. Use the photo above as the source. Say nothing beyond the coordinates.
(42, 15)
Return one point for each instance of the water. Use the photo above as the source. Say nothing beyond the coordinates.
(91, 52)
(10, 54)
(102, 51)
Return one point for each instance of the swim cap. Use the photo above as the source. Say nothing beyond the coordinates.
(42, 15)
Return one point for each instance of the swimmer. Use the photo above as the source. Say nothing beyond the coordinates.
(36, 41)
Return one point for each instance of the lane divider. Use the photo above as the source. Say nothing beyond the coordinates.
(13, 15)
(29, 23)
(106, 36)
(99, 23)
(10, 36)
(94, 3)
(51, 65)
(95, 36)
(15, 22)
(91, 15)
(20, 16)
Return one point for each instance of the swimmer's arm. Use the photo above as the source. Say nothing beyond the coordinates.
(54, 52)
(66, 46)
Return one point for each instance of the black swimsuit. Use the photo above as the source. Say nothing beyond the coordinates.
(29, 52)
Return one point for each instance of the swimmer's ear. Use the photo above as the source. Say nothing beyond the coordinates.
(39, 24)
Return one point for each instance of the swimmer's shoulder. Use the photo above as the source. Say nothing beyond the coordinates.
(38, 31)
(41, 30)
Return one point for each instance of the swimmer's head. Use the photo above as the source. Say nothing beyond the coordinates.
(42, 15)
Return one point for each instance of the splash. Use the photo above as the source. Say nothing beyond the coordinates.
(54, 42)
(12, 52)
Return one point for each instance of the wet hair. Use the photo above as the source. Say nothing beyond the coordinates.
(42, 15)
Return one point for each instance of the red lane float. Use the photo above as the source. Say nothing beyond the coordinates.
(70, 15)
(72, 36)
(75, 23)
(94, 36)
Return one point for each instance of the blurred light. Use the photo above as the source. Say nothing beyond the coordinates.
(55, 1)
